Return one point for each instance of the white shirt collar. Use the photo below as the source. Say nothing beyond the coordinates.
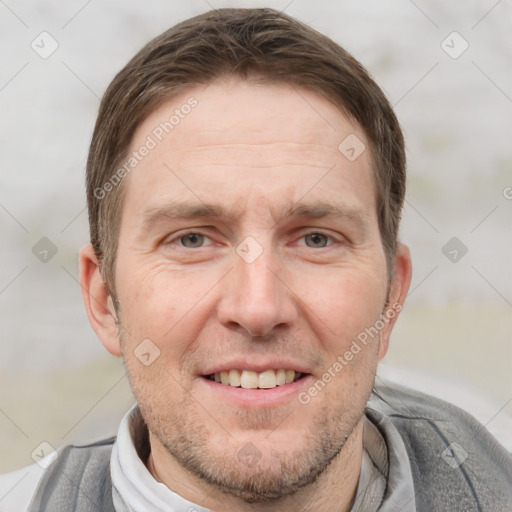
(133, 487)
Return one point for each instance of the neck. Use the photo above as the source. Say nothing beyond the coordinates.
(333, 491)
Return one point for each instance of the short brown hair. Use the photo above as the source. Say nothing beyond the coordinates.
(241, 42)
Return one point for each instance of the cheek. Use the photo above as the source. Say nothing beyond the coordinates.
(166, 305)
(156, 387)
(346, 307)
(343, 320)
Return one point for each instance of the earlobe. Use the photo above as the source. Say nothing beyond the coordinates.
(399, 288)
(97, 301)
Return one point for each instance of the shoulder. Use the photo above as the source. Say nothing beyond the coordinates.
(39, 481)
(450, 452)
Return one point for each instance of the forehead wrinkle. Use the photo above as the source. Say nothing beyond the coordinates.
(257, 145)
(260, 166)
(293, 147)
(266, 154)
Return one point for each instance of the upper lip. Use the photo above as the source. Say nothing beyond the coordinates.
(246, 363)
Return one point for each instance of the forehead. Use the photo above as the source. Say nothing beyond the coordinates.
(272, 111)
(251, 137)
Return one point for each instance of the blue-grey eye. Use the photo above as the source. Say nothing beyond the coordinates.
(192, 240)
(316, 240)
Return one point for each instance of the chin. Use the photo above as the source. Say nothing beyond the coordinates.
(256, 475)
(261, 466)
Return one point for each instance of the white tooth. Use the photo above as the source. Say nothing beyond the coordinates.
(281, 377)
(234, 378)
(267, 379)
(217, 377)
(249, 380)
(290, 375)
(224, 377)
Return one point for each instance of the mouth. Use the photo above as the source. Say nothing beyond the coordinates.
(249, 379)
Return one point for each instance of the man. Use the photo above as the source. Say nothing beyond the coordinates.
(245, 182)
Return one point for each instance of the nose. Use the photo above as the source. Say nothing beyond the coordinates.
(257, 298)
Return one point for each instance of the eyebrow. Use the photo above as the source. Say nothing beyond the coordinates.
(323, 210)
(182, 211)
(191, 211)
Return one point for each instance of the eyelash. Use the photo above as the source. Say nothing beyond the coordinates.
(330, 238)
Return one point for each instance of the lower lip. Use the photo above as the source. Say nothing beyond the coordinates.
(259, 398)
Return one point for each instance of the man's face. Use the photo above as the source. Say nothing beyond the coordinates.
(249, 244)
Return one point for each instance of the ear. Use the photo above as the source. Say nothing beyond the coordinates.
(399, 286)
(98, 303)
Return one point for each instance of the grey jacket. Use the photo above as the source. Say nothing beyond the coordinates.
(456, 464)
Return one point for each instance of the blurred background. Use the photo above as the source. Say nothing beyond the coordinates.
(445, 66)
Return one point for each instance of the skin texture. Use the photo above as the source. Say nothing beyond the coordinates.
(258, 151)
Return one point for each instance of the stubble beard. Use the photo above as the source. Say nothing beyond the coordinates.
(176, 425)
(269, 479)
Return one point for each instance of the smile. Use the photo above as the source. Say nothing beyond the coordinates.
(248, 379)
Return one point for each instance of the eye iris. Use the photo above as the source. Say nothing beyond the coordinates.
(316, 240)
(192, 240)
